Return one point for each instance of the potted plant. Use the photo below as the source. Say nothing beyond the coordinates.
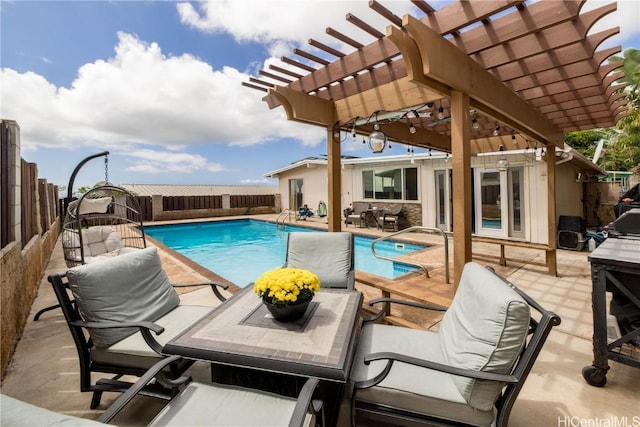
(286, 292)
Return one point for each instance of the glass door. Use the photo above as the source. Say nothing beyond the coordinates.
(295, 194)
(490, 205)
(444, 206)
(515, 178)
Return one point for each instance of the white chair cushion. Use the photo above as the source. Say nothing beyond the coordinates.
(16, 413)
(484, 329)
(415, 389)
(222, 405)
(126, 288)
(327, 254)
(98, 205)
(101, 240)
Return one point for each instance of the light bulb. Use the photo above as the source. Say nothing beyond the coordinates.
(412, 128)
(440, 113)
(474, 124)
(496, 131)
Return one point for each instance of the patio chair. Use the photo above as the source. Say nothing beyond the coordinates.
(198, 404)
(105, 222)
(330, 255)
(390, 218)
(356, 214)
(469, 373)
(119, 302)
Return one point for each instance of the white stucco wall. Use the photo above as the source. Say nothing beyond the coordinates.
(568, 190)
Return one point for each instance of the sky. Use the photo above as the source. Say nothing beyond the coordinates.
(158, 84)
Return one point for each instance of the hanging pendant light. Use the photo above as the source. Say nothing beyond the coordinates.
(377, 141)
(502, 164)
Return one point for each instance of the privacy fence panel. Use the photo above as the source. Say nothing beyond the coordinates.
(29, 201)
(249, 201)
(181, 203)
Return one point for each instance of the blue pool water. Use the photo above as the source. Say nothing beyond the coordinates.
(240, 250)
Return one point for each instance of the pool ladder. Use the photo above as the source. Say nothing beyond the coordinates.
(284, 216)
(409, 230)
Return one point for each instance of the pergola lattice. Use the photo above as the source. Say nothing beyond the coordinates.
(517, 69)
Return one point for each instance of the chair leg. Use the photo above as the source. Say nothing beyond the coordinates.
(95, 400)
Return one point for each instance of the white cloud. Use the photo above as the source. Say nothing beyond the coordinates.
(626, 17)
(272, 21)
(141, 96)
(156, 162)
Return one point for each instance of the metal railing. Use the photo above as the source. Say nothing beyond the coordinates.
(416, 264)
(283, 217)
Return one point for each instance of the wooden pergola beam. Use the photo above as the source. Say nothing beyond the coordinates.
(463, 74)
(553, 38)
(351, 18)
(326, 48)
(528, 20)
(348, 40)
(285, 71)
(303, 108)
(383, 11)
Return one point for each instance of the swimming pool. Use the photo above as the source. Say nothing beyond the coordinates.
(240, 250)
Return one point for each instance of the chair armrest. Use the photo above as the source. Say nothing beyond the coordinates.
(214, 288)
(136, 388)
(305, 403)
(144, 326)
(388, 301)
(427, 364)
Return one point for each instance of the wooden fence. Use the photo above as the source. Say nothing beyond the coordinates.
(181, 203)
(252, 201)
(39, 200)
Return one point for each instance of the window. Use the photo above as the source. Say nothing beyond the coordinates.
(390, 184)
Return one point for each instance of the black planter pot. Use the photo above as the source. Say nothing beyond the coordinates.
(286, 313)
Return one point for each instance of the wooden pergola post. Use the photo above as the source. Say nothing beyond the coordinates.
(551, 260)
(461, 162)
(334, 183)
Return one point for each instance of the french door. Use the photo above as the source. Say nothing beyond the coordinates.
(499, 202)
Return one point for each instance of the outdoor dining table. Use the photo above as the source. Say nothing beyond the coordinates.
(246, 346)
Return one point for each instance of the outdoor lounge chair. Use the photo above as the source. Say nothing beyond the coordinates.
(198, 404)
(330, 255)
(120, 302)
(468, 373)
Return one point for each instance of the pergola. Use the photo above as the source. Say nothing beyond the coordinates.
(464, 79)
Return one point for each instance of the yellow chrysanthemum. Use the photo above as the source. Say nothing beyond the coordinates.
(284, 286)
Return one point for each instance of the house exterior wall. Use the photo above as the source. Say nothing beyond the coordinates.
(315, 185)
(423, 211)
(569, 192)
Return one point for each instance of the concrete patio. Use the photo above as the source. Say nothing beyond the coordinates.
(44, 368)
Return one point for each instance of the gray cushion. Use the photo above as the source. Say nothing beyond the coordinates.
(484, 329)
(129, 287)
(327, 254)
(134, 351)
(222, 405)
(414, 389)
(19, 414)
